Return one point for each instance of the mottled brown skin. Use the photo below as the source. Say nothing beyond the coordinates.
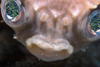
(52, 22)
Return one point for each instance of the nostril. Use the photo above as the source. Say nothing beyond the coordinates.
(49, 51)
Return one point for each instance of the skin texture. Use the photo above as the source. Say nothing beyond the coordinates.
(53, 29)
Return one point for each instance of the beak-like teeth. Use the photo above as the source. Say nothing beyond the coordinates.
(57, 46)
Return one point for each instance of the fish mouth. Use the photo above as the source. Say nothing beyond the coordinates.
(47, 50)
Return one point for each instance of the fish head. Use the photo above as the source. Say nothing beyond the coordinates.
(52, 29)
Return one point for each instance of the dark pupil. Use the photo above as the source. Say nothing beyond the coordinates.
(95, 22)
(12, 9)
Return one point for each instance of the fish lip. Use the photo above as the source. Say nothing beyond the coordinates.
(49, 49)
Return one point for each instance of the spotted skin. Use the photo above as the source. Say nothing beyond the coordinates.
(53, 29)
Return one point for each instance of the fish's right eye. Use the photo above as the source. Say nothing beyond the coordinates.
(13, 11)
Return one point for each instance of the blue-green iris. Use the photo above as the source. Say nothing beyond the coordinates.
(12, 9)
(95, 21)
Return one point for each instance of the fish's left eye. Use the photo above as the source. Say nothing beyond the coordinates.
(13, 11)
(93, 24)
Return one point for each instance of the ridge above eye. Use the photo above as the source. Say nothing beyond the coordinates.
(93, 24)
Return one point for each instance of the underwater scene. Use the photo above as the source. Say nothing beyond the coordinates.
(14, 54)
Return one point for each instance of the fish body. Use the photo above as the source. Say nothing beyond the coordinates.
(51, 29)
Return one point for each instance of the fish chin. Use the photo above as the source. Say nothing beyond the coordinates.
(41, 48)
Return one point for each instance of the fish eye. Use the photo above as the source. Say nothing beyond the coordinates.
(13, 11)
(93, 24)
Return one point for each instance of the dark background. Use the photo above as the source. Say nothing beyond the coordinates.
(14, 54)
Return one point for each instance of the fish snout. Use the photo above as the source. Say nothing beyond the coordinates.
(49, 50)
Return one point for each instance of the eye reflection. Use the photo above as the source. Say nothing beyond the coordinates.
(13, 11)
(94, 22)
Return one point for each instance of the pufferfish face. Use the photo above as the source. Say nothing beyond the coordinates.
(53, 29)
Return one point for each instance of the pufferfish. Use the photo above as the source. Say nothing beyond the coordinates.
(53, 29)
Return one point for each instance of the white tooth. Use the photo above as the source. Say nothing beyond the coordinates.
(40, 43)
(29, 42)
(70, 50)
(49, 51)
(50, 47)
